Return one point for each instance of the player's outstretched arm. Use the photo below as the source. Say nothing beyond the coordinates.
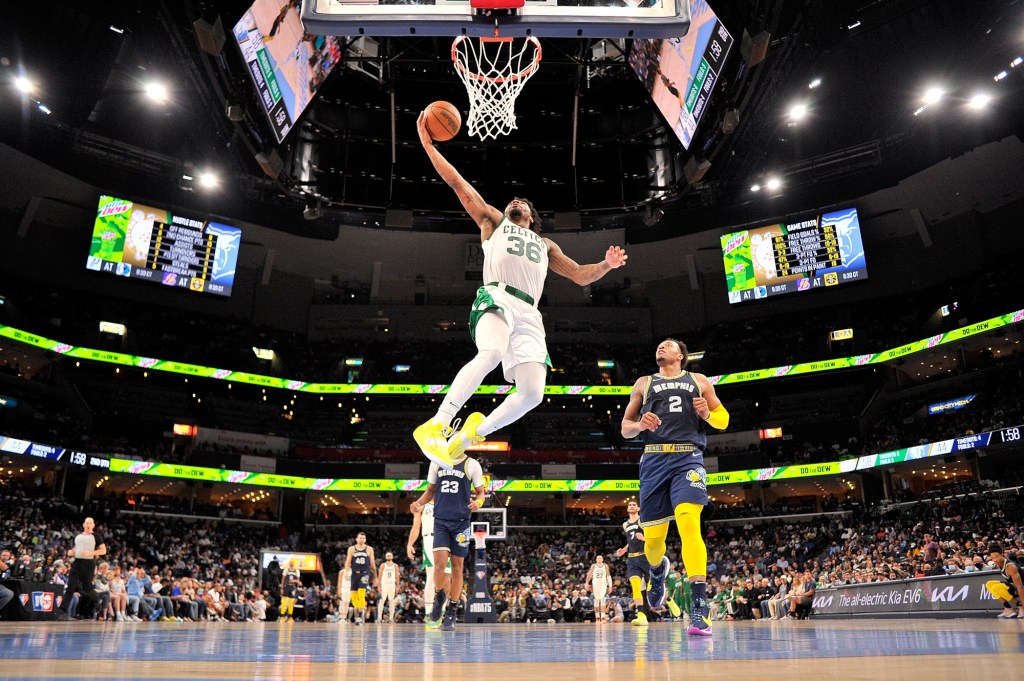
(562, 264)
(486, 216)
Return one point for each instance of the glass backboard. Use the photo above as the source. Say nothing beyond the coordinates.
(541, 18)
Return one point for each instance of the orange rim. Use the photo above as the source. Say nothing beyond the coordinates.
(500, 79)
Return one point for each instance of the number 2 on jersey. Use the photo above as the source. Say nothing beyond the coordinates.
(675, 404)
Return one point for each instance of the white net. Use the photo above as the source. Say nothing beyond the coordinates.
(494, 72)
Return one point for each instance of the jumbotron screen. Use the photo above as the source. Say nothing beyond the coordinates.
(820, 252)
(286, 64)
(138, 241)
(680, 74)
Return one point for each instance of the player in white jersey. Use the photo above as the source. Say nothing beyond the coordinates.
(387, 577)
(423, 523)
(600, 580)
(345, 592)
(504, 321)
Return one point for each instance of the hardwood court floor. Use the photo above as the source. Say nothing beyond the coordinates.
(817, 649)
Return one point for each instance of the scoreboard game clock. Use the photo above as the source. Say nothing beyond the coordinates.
(819, 252)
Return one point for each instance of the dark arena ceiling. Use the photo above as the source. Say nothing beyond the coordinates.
(90, 61)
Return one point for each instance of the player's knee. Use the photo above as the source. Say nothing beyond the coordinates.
(490, 357)
(532, 395)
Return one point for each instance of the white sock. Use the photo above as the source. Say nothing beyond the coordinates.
(492, 342)
(530, 378)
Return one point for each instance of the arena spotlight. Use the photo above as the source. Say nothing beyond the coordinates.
(24, 84)
(773, 183)
(208, 180)
(979, 101)
(797, 112)
(156, 91)
(932, 95)
(755, 187)
(814, 83)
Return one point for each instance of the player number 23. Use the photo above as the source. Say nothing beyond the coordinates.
(532, 250)
(449, 486)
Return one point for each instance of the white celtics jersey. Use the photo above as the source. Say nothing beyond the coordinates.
(600, 573)
(427, 523)
(517, 257)
(389, 574)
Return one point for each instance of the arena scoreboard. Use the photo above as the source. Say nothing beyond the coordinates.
(819, 252)
(138, 241)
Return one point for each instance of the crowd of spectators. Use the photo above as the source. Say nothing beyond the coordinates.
(207, 569)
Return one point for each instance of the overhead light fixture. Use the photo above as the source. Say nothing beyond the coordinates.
(45, 109)
(115, 29)
(814, 83)
(979, 101)
(773, 183)
(932, 96)
(854, 25)
(156, 91)
(1001, 75)
(313, 211)
(797, 112)
(208, 179)
(652, 214)
(24, 84)
(755, 187)
(1016, 62)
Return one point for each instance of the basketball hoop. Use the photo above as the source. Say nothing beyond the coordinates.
(494, 72)
(480, 536)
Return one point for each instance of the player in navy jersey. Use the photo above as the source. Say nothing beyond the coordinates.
(457, 491)
(638, 570)
(671, 410)
(361, 561)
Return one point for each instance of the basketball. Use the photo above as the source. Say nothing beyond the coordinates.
(443, 121)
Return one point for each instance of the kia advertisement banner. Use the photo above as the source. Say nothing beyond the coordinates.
(963, 594)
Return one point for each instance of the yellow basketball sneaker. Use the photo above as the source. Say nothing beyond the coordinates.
(641, 620)
(466, 437)
(432, 437)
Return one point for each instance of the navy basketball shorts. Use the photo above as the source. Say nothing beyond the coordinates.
(453, 535)
(360, 580)
(668, 479)
(638, 567)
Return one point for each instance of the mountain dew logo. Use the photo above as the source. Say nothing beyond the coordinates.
(63, 348)
(1018, 316)
(147, 362)
(504, 389)
(221, 373)
(237, 476)
(410, 485)
(583, 485)
(496, 485)
(140, 467)
(767, 473)
(782, 371)
(575, 389)
(733, 241)
(115, 207)
(934, 340)
(861, 360)
(715, 380)
(364, 387)
(321, 483)
(294, 385)
(436, 389)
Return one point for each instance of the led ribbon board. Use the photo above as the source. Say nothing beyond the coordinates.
(199, 371)
(1010, 435)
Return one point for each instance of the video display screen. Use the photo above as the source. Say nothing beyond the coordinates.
(138, 241)
(820, 252)
(680, 73)
(286, 64)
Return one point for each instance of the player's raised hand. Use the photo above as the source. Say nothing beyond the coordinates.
(615, 257)
(701, 405)
(650, 421)
(421, 128)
